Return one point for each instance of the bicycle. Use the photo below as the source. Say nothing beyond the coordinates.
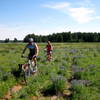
(28, 69)
(48, 55)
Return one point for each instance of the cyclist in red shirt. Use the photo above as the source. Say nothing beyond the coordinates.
(49, 49)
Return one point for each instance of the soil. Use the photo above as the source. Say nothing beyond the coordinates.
(14, 89)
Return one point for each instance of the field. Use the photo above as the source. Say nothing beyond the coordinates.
(73, 73)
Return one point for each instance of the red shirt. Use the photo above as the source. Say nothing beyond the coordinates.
(48, 47)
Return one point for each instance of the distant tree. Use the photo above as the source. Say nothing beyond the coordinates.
(98, 37)
(6, 40)
(54, 37)
(15, 40)
(59, 38)
(67, 36)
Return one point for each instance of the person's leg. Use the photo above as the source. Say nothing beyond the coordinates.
(35, 64)
(47, 57)
(50, 56)
(35, 61)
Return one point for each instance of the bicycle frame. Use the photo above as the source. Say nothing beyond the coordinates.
(27, 68)
(28, 71)
(48, 55)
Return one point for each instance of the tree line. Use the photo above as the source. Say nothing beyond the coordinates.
(7, 40)
(60, 37)
(65, 37)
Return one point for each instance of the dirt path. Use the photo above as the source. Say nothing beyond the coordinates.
(43, 98)
(14, 89)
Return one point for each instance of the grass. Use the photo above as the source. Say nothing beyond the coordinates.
(52, 77)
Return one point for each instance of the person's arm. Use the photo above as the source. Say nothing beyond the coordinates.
(24, 50)
(36, 50)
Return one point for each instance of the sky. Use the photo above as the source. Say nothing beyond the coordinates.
(42, 17)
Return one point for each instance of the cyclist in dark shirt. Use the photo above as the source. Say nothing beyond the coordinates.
(33, 51)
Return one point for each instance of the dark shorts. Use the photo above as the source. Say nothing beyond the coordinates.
(49, 52)
(30, 56)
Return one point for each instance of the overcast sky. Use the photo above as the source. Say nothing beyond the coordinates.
(21, 17)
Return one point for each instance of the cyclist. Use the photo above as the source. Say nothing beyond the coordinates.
(49, 49)
(33, 53)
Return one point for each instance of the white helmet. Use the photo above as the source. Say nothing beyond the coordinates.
(30, 39)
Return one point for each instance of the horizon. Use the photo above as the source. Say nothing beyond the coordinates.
(21, 17)
(50, 34)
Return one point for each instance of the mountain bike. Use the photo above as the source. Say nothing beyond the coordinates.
(28, 68)
(48, 55)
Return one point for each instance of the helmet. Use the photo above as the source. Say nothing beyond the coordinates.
(30, 39)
